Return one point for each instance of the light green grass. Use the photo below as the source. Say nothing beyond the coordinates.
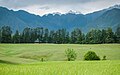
(63, 68)
(24, 59)
(25, 53)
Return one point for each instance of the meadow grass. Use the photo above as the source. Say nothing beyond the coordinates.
(107, 67)
(25, 59)
(25, 53)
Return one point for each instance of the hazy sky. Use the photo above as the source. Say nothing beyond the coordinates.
(41, 7)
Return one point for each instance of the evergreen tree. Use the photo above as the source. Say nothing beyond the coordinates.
(73, 38)
(67, 38)
(51, 36)
(64, 36)
(55, 37)
(58, 36)
(76, 36)
(117, 33)
(26, 35)
(90, 37)
(6, 34)
(21, 38)
(110, 36)
(46, 36)
(40, 34)
(16, 37)
(94, 36)
(33, 35)
(98, 36)
(83, 39)
(0, 35)
(104, 36)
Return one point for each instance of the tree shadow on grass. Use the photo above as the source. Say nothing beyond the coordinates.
(7, 62)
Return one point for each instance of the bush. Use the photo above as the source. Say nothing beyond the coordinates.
(42, 59)
(104, 58)
(71, 54)
(90, 55)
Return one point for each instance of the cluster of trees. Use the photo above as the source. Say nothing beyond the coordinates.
(60, 36)
(90, 55)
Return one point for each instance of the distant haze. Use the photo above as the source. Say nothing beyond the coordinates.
(41, 7)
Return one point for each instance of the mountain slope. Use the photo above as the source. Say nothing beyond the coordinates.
(31, 19)
(92, 16)
(7, 17)
(18, 20)
(110, 18)
(68, 21)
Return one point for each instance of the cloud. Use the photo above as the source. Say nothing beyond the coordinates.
(44, 8)
(25, 3)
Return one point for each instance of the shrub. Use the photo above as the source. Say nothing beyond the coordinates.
(104, 58)
(42, 59)
(90, 55)
(71, 54)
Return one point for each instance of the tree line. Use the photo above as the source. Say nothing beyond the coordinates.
(60, 36)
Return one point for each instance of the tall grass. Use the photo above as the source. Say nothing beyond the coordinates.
(63, 68)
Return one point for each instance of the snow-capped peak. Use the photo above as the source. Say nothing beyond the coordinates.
(73, 12)
(115, 6)
(69, 12)
(54, 13)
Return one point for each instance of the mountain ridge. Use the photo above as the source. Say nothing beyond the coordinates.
(20, 19)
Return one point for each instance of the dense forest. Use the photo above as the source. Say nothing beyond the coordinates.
(60, 36)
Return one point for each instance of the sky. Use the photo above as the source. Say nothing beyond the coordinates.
(41, 7)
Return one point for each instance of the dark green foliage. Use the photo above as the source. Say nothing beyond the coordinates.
(6, 34)
(94, 37)
(67, 38)
(33, 35)
(117, 33)
(60, 36)
(104, 36)
(76, 36)
(71, 54)
(42, 59)
(104, 58)
(52, 37)
(7, 62)
(109, 36)
(46, 36)
(40, 33)
(26, 35)
(90, 55)
(0, 35)
(16, 37)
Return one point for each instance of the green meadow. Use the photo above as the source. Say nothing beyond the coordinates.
(25, 59)
(63, 68)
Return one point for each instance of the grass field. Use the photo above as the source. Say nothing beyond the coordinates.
(63, 68)
(25, 59)
(25, 53)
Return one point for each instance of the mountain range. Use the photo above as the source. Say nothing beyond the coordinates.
(102, 19)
